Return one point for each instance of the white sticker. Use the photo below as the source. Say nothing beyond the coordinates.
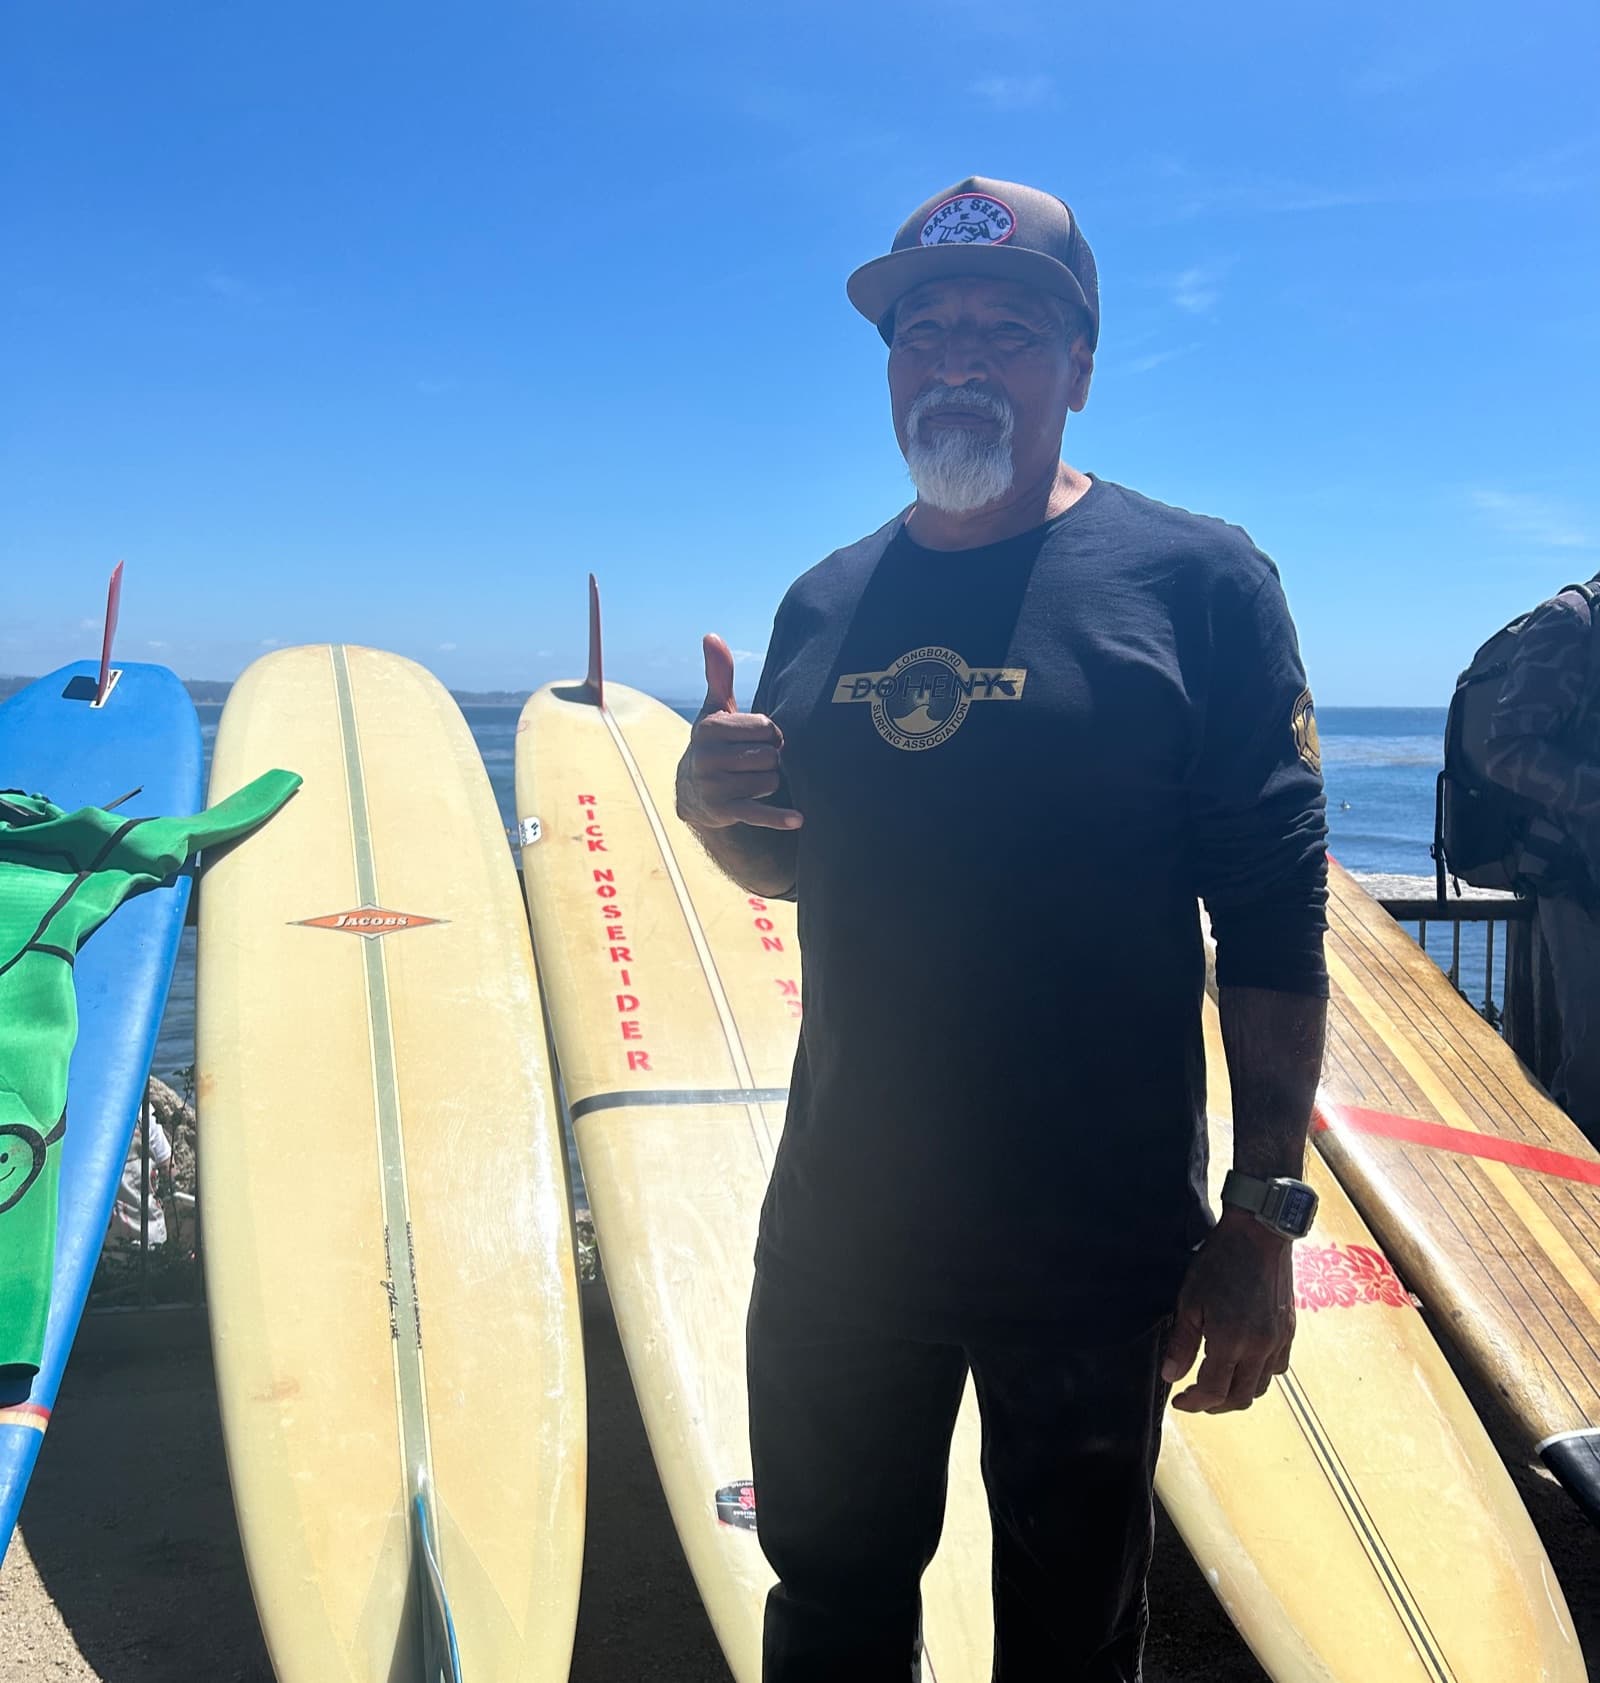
(970, 219)
(528, 832)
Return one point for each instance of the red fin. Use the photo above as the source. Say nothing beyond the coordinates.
(595, 682)
(113, 602)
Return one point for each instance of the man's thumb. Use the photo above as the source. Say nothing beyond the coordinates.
(719, 676)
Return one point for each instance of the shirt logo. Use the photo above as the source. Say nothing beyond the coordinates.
(921, 700)
(1307, 744)
(969, 219)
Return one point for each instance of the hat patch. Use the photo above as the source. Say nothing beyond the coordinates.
(970, 219)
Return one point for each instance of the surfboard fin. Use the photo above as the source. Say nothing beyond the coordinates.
(108, 676)
(441, 1660)
(594, 685)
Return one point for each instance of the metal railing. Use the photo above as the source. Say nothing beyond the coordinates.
(1495, 962)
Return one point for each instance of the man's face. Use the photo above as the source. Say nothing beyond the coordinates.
(982, 375)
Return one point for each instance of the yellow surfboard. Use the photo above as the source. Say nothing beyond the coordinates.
(389, 1261)
(1483, 1191)
(674, 1000)
(1356, 1522)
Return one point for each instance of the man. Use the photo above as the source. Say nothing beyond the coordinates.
(1544, 745)
(997, 750)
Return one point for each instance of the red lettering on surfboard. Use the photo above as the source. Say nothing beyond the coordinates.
(1345, 1276)
(770, 943)
(597, 847)
(613, 934)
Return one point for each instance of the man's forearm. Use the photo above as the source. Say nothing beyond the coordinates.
(1274, 1043)
(764, 861)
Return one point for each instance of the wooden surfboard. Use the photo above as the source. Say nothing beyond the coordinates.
(674, 1000)
(1480, 1188)
(1357, 1523)
(389, 1260)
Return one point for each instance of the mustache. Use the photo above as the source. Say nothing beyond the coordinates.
(971, 398)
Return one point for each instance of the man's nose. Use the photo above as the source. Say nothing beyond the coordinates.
(961, 360)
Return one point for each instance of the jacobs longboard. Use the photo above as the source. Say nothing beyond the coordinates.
(389, 1259)
(1484, 1193)
(1357, 1523)
(55, 740)
(674, 1001)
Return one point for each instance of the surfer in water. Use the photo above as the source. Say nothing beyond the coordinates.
(998, 750)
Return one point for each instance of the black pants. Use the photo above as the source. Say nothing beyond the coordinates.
(850, 1433)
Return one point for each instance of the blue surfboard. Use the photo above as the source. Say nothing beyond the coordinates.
(54, 741)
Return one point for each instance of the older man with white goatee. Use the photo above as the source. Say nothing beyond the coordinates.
(999, 750)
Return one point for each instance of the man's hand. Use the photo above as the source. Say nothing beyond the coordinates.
(1239, 1297)
(732, 761)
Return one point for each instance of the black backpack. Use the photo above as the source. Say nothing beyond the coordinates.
(1482, 833)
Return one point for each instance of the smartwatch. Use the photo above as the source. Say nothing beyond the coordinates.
(1287, 1206)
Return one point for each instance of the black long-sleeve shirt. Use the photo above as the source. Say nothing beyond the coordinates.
(1019, 766)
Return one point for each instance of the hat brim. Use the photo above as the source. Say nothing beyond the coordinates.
(877, 286)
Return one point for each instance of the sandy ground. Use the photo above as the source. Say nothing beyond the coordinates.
(127, 1567)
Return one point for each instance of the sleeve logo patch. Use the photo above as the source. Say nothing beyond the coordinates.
(1307, 744)
(970, 219)
(921, 700)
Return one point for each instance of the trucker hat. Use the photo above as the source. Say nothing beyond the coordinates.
(999, 230)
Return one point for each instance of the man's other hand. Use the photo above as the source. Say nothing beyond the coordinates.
(1238, 1298)
(732, 762)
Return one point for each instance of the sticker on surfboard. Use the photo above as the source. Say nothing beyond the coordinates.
(528, 831)
(1345, 1276)
(369, 922)
(736, 1505)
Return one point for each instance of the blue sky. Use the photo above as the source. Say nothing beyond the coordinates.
(388, 323)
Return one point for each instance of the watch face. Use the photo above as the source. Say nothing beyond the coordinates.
(1295, 1210)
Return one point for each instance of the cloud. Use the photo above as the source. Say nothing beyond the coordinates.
(1154, 359)
(1195, 290)
(1393, 73)
(90, 625)
(234, 288)
(446, 648)
(1532, 519)
(1014, 93)
(272, 642)
(741, 655)
(1186, 196)
(156, 643)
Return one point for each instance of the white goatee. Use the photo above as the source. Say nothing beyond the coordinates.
(958, 469)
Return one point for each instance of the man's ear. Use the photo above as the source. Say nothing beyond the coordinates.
(1082, 374)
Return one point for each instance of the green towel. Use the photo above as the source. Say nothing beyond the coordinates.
(62, 874)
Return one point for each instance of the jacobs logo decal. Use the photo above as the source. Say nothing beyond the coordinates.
(970, 219)
(368, 921)
(921, 700)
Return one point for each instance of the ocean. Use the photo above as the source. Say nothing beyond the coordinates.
(1379, 764)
